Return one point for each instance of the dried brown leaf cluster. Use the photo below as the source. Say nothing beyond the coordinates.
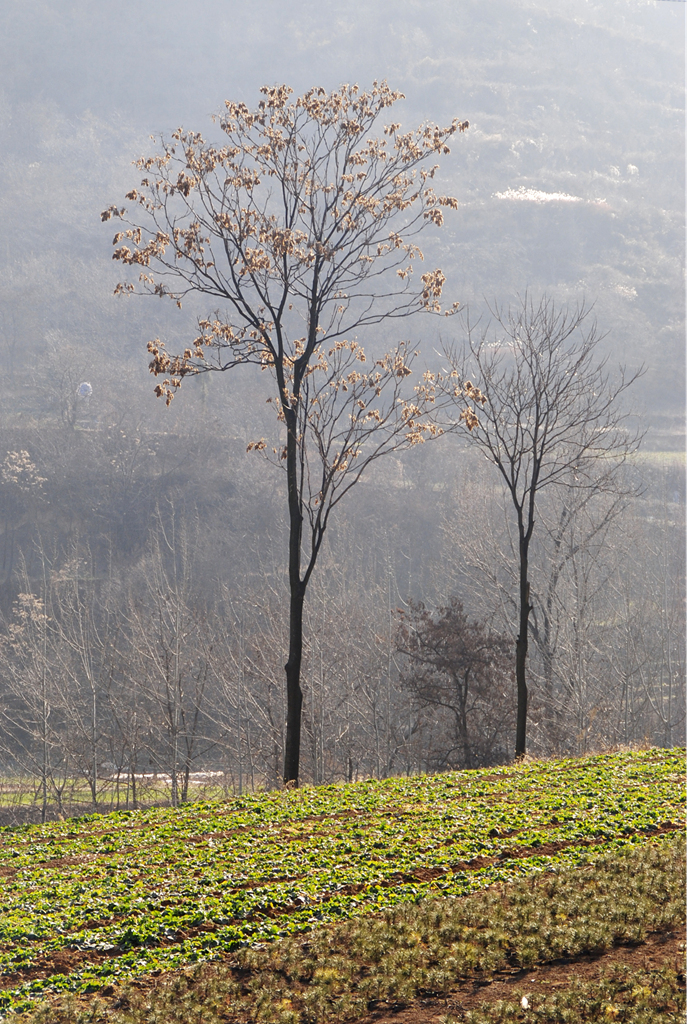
(212, 222)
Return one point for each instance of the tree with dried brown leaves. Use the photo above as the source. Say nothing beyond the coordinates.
(551, 417)
(304, 227)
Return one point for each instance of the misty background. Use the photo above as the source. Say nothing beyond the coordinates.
(570, 181)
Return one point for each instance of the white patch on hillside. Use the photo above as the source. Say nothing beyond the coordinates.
(533, 195)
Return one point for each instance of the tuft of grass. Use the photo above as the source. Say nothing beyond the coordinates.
(341, 972)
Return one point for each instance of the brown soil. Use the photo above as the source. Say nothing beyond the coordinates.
(61, 961)
(64, 862)
(662, 949)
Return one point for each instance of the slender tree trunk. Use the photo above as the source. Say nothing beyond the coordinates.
(463, 686)
(251, 766)
(44, 766)
(133, 758)
(521, 653)
(294, 694)
(44, 728)
(94, 744)
(177, 702)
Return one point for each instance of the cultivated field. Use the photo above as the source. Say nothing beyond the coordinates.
(93, 904)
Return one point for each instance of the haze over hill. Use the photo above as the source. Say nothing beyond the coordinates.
(571, 177)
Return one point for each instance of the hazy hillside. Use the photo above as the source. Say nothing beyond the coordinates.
(585, 101)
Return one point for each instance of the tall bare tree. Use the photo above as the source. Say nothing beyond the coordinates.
(304, 227)
(548, 415)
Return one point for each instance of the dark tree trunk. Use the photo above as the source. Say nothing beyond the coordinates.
(294, 694)
(521, 654)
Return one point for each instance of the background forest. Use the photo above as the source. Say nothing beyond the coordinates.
(142, 577)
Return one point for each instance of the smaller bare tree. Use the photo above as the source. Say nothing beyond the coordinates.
(551, 416)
